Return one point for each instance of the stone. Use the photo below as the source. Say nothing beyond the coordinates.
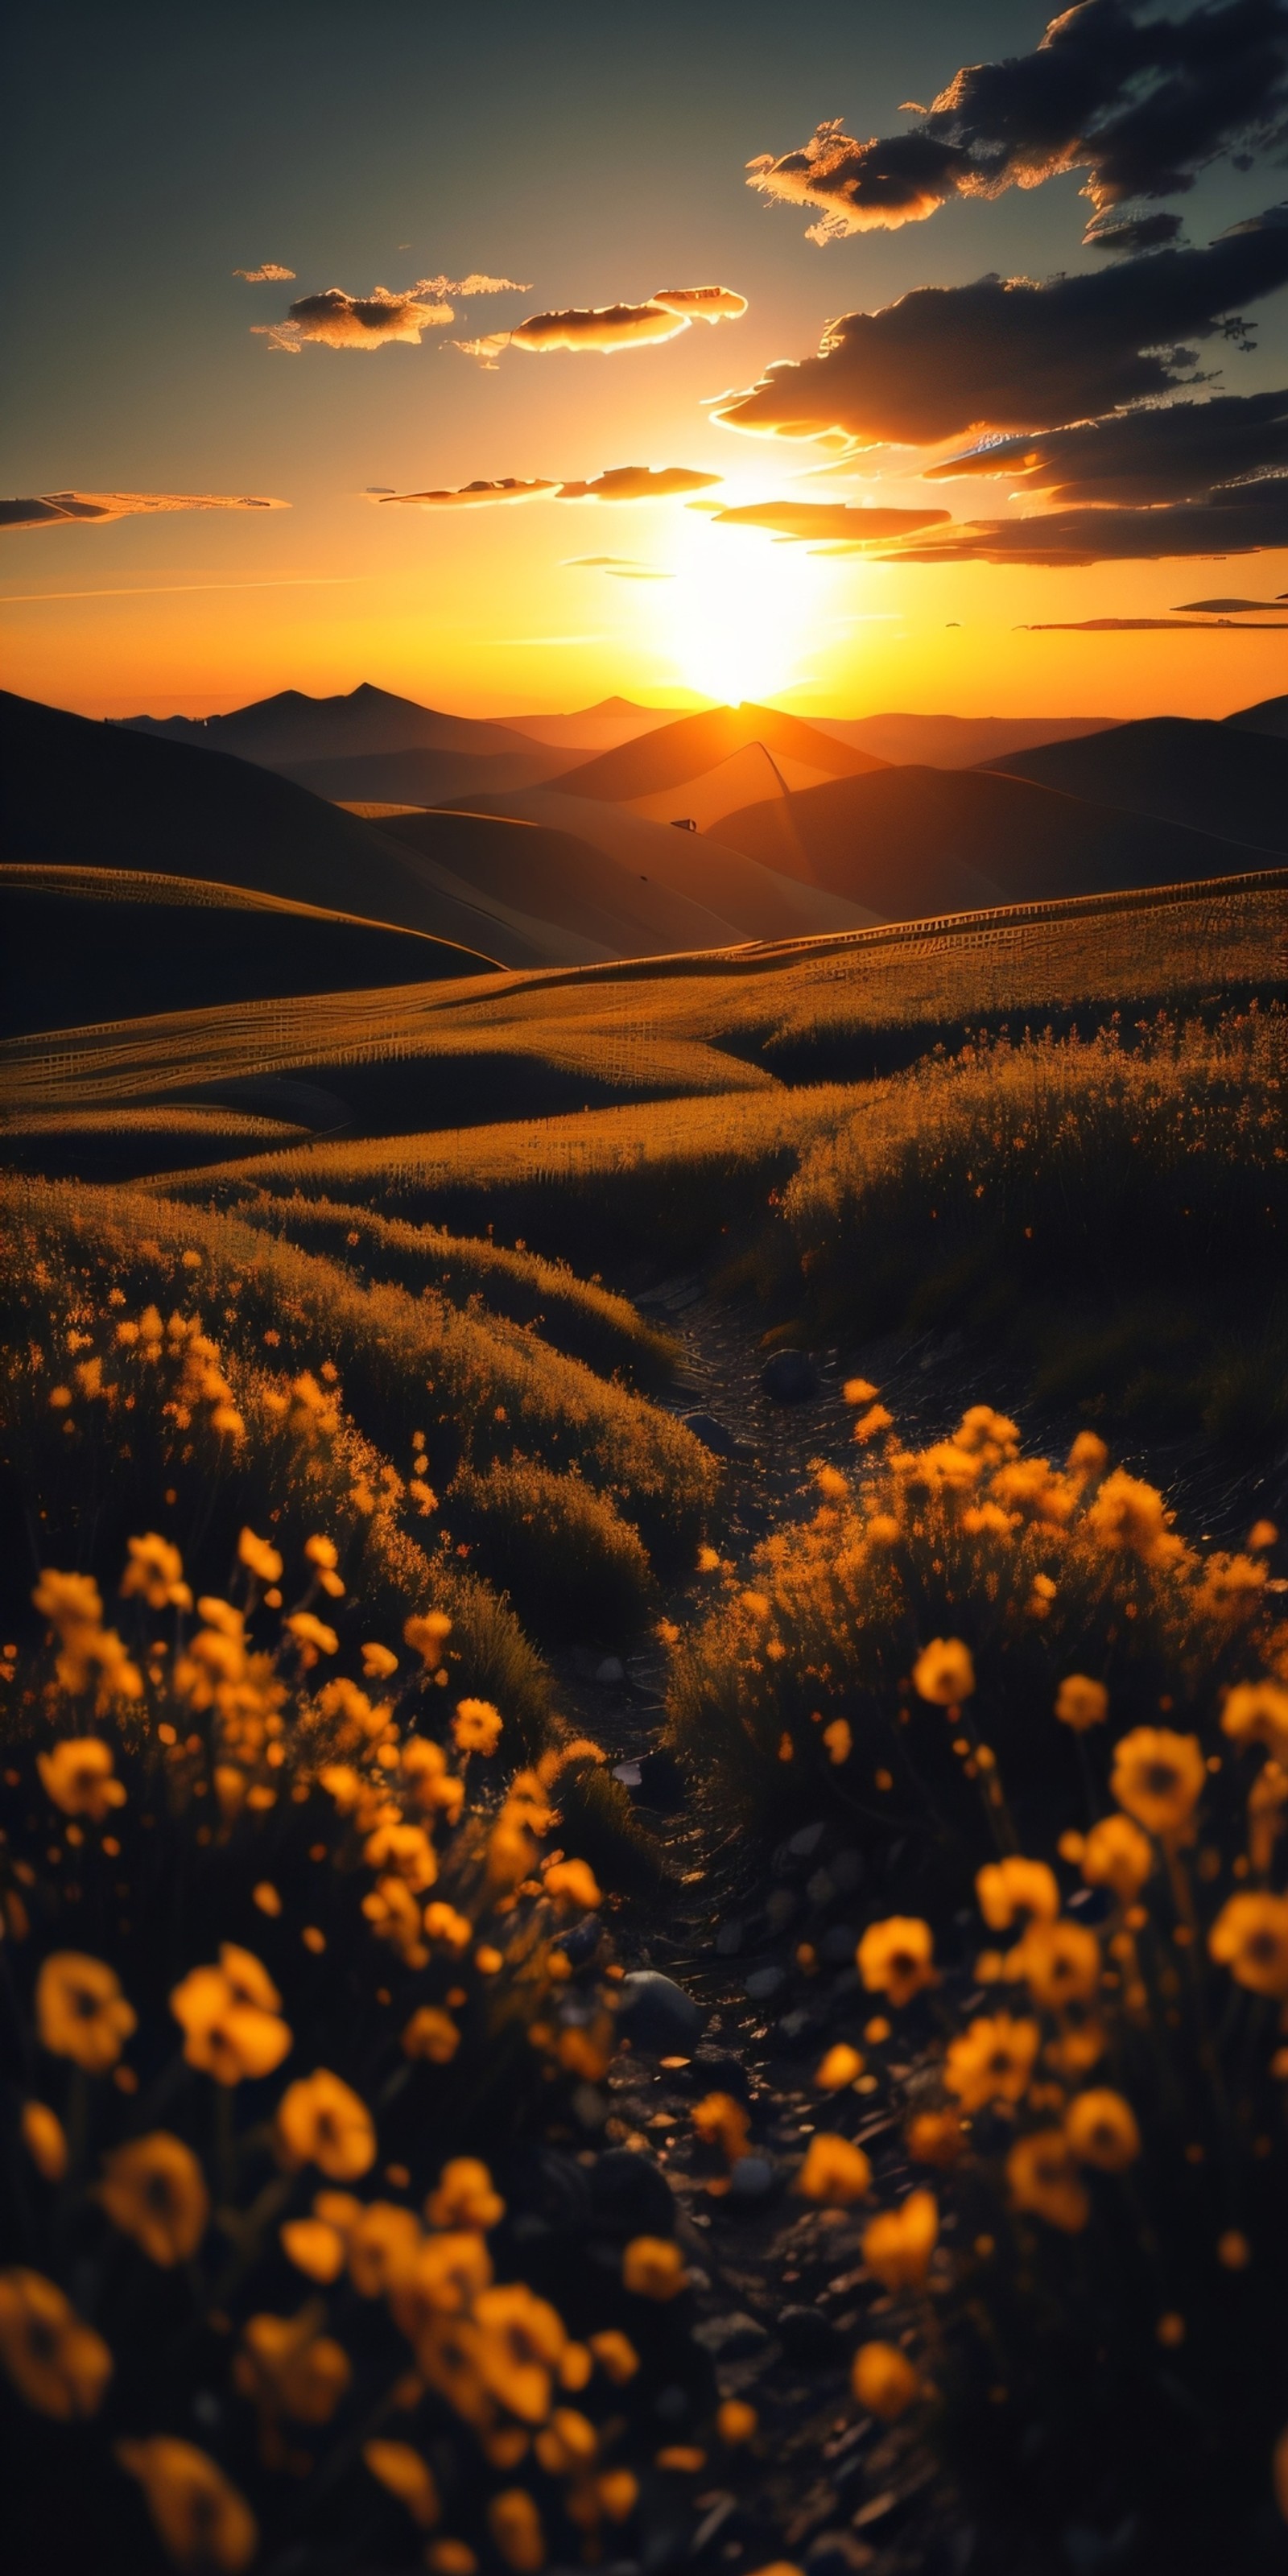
(629, 2196)
(581, 1943)
(790, 1377)
(838, 1945)
(717, 2070)
(810, 2338)
(663, 1785)
(753, 2178)
(730, 1938)
(715, 1436)
(792, 1858)
(657, 2015)
(799, 2030)
(803, 1844)
(764, 1984)
(821, 1888)
(612, 1669)
(780, 1908)
(729, 2338)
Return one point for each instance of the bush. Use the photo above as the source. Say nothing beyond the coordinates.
(282, 2261)
(570, 1566)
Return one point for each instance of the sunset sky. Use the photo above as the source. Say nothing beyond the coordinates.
(597, 158)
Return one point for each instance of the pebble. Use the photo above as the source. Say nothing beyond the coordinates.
(715, 1436)
(790, 1377)
(657, 2015)
(629, 2195)
(752, 2179)
(763, 1984)
(838, 1945)
(612, 1669)
(807, 2336)
(728, 2338)
(800, 2029)
(730, 1938)
(717, 2070)
(780, 1908)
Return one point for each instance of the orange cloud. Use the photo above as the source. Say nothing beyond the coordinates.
(836, 521)
(340, 321)
(607, 327)
(617, 483)
(470, 496)
(269, 275)
(61, 509)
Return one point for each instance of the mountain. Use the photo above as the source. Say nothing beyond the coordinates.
(915, 842)
(420, 777)
(956, 742)
(279, 732)
(598, 728)
(1270, 715)
(668, 760)
(1213, 777)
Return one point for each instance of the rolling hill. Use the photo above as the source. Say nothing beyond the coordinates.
(673, 757)
(420, 777)
(955, 742)
(280, 732)
(1270, 715)
(914, 841)
(597, 728)
(1215, 778)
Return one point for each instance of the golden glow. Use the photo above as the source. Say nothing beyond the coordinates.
(742, 617)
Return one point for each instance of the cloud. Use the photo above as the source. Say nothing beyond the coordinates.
(617, 483)
(1009, 353)
(608, 327)
(1143, 625)
(1134, 233)
(831, 520)
(1140, 106)
(620, 566)
(1240, 520)
(1173, 452)
(62, 509)
(475, 284)
(271, 274)
(1225, 607)
(341, 321)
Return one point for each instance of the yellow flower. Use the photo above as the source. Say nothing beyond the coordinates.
(231, 2017)
(156, 1570)
(720, 2121)
(1080, 1702)
(568, 2443)
(56, 2362)
(1117, 1854)
(1132, 1516)
(315, 2248)
(444, 2280)
(834, 2172)
(521, 2342)
(378, 1663)
(44, 2140)
(1011, 1887)
(403, 1851)
(896, 1958)
(616, 2355)
(708, 1560)
(736, 2422)
(1257, 1713)
(1250, 1938)
(383, 2245)
(1044, 2178)
(263, 1560)
(1088, 1454)
(992, 2061)
(321, 2121)
(573, 1885)
(653, 2268)
(425, 1637)
(897, 2246)
(290, 2369)
(476, 1727)
(443, 1923)
(451, 2558)
(839, 1740)
(81, 2012)
(202, 2520)
(859, 1390)
(465, 2197)
(935, 2138)
(515, 2525)
(1101, 2129)
(322, 1552)
(840, 2067)
(1059, 1962)
(77, 1776)
(944, 1672)
(312, 1636)
(431, 2033)
(870, 1424)
(154, 2190)
(401, 2469)
(884, 2381)
(1158, 1777)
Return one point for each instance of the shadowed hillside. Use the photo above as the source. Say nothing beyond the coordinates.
(1213, 778)
(955, 742)
(1270, 715)
(676, 752)
(281, 731)
(419, 777)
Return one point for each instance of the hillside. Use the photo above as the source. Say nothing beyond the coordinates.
(676, 753)
(1215, 778)
(280, 731)
(955, 742)
(914, 841)
(597, 728)
(419, 777)
(1270, 715)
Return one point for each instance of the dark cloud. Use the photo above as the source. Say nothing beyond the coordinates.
(271, 274)
(1224, 607)
(617, 483)
(1238, 521)
(1007, 353)
(1140, 104)
(1173, 452)
(470, 496)
(829, 520)
(1143, 625)
(341, 321)
(614, 326)
(64, 509)
(1134, 233)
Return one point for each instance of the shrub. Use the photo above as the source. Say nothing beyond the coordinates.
(571, 1567)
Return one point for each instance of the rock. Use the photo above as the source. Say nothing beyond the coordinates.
(780, 1908)
(821, 1888)
(715, 1436)
(729, 2338)
(663, 1785)
(674, 2407)
(581, 1943)
(730, 1938)
(790, 1377)
(717, 2070)
(792, 1858)
(838, 1945)
(763, 1984)
(800, 2029)
(658, 2016)
(612, 1669)
(810, 2338)
(629, 2196)
(753, 2178)
(585, 1661)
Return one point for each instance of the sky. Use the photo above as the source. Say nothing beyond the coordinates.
(595, 161)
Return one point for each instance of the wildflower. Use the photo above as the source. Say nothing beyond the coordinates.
(443, 1923)
(315, 2248)
(568, 2443)
(451, 2558)
(871, 1424)
(383, 2244)
(77, 1776)
(884, 2381)
(859, 1390)
(1044, 2178)
(321, 2121)
(935, 2138)
(653, 2268)
(736, 2422)
(231, 2017)
(616, 2355)
(992, 2061)
(1059, 1962)
(81, 2012)
(840, 2067)
(323, 1553)
(1116, 1854)
(1233, 2252)
(1101, 2129)
(378, 1663)
(1250, 1938)
(155, 1569)
(155, 2191)
(896, 1958)
(1131, 1516)
(1080, 1702)
(263, 1561)
(435, 1789)
(312, 1636)
(897, 2245)
(708, 1560)
(834, 2172)
(290, 2369)
(202, 2520)
(521, 2341)
(465, 2197)
(44, 2139)
(839, 1740)
(445, 2277)
(721, 2122)
(1158, 1777)
(404, 1850)
(573, 1885)
(1257, 1713)
(983, 1430)
(1011, 1887)
(1088, 1456)
(515, 2525)
(431, 2033)
(401, 2469)
(56, 2362)
(425, 1636)
(944, 1672)
(394, 1916)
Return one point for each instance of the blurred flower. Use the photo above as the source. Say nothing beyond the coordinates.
(230, 2017)
(992, 2061)
(45, 2141)
(401, 2469)
(521, 2340)
(378, 1663)
(81, 2012)
(1250, 1938)
(720, 2121)
(443, 1923)
(834, 2172)
(569, 2442)
(155, 1569)
(264, 1561)
(1116, 1854)
(383, 2244)
(573, 1885)
(425, 1636)
(311, 1635)
(1128, 1515)
(77, 1776)
(288, 2368)
(935, 2138)
(859, 1390)
(517, 2535)
(897, 2245)
(1044, 2178)
(1080, 1702)
(465, 2197)
(56, 2362)
(204, 2524)
(736, 2422)
(839, 2068)
(433, 2034)
(1158, 1777)
(944, 1672)
(321, 2121)
(1012, 1887)
(871, 1424)
(896, 1958)
(154, 2190)
(1101, 2129)
(1257, 1713)
(616, 2355)
(315, 2248)
(653, 2268)
(839, 1740)
(1059, 1962)
(884, 2381)
(406, 1851)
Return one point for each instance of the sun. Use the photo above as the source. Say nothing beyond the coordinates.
(742, 615)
